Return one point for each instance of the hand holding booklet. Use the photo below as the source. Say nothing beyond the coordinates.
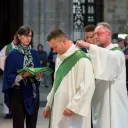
(34, 71)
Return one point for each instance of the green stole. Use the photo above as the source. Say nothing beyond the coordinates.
(8, 49)
(116, 48)
(63, 70)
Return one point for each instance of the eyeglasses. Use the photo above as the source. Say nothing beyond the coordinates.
(30, 36)
(54, 47)
(100, 33)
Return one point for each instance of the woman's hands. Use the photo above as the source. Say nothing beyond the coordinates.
(27, 74)
(38, 76)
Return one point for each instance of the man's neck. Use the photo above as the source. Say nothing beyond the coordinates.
(67, 47)
(106, 44)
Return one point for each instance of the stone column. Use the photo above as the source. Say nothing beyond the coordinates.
(46, 15)
(58, 14)
(65, 16)
(32, 18)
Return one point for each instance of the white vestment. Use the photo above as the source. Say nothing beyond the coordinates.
(75, 93)
(110, 101)
(2, 62)
(3, 56)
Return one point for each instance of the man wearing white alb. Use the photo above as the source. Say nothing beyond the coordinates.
(110, 101)
(3, 54)
(69, 102)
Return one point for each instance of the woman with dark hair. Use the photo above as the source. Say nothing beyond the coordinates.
(22, 90)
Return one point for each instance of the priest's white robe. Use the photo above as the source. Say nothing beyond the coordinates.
(2, 62)
(3, 55)
(110, 101)
(75, 93)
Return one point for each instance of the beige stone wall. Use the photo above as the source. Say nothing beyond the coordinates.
(116, 13)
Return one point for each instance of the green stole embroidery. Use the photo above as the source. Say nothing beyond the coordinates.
(116, 48)
(63, 70)
(8, 49)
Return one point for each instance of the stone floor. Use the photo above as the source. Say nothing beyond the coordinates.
(41, 123)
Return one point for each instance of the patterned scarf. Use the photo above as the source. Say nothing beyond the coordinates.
(27, 63)
(27, 55)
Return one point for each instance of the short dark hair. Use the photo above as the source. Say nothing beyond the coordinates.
(56, 33)
(89, 28)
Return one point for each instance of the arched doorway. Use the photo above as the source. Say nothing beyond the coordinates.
(11, 17)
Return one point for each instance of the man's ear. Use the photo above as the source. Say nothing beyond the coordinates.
(110, 34)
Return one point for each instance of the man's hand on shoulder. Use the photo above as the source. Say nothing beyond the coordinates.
(82, 44)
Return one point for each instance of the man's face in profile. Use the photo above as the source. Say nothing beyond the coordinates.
(89, 37)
